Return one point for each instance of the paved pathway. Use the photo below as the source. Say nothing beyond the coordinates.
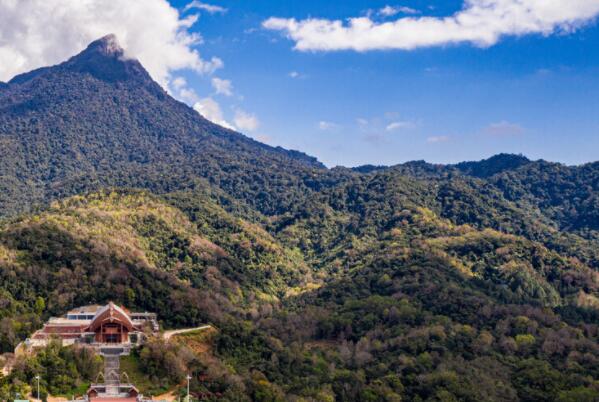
(112, 365)
(169, 397)
(169, 334)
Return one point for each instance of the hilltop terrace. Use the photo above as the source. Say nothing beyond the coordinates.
(100, 326)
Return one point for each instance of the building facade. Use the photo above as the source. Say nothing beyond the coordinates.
(97, 325)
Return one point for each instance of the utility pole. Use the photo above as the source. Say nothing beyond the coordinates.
(188, 379)
(37, 377)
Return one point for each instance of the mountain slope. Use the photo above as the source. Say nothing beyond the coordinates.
(139, 250)
(561, 198)
(418, 309)
(99, 120)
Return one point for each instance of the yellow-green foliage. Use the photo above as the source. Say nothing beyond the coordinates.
(459, 238)
(6, 255)
(110, 221)
(525, 340)
(263, 250)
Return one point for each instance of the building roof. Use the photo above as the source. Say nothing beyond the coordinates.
(111, 313)
(56, 321)
(91, 309)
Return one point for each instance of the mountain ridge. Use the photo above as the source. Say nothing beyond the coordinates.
(481, 168)
(59, 122)
(104, 58)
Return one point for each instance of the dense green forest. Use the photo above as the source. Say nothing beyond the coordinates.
(333, 305)
(417, 282)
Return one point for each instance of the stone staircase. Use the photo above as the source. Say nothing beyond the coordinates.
(112, 365)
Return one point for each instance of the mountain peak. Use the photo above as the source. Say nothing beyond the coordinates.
(493, 165)
(106, 46)
(105, 59)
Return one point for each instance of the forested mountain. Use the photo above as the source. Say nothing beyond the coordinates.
(98, 119)
(418, 282)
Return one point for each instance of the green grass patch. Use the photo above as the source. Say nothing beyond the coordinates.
(79, 390)
(146, 385)
(199, 334)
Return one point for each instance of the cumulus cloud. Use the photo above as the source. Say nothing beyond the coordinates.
(242, 120)
(222, 87)
(178, 83)
(180, 89)
(36, 33)
(480, 22)
(209, 8)
(245, 121)
(211, 110)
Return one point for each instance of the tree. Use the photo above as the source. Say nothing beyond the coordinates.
(536, 380)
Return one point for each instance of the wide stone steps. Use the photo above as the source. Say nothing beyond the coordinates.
(112, 366)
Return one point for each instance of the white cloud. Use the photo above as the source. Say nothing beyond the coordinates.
(362, 122)
(187, 95)
(390, 11)
(178, 83)
(242, 120)
(399, 125)
(180, 90)
(210, 8)
(480, 22)
(504, 128)
(222, 87)
(211, 110)
(36, 33)
(245, 121)
(437, 139)
(297, 75)
(379, 130)
(327, 126)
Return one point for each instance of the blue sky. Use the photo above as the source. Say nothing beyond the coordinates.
(532, 94)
